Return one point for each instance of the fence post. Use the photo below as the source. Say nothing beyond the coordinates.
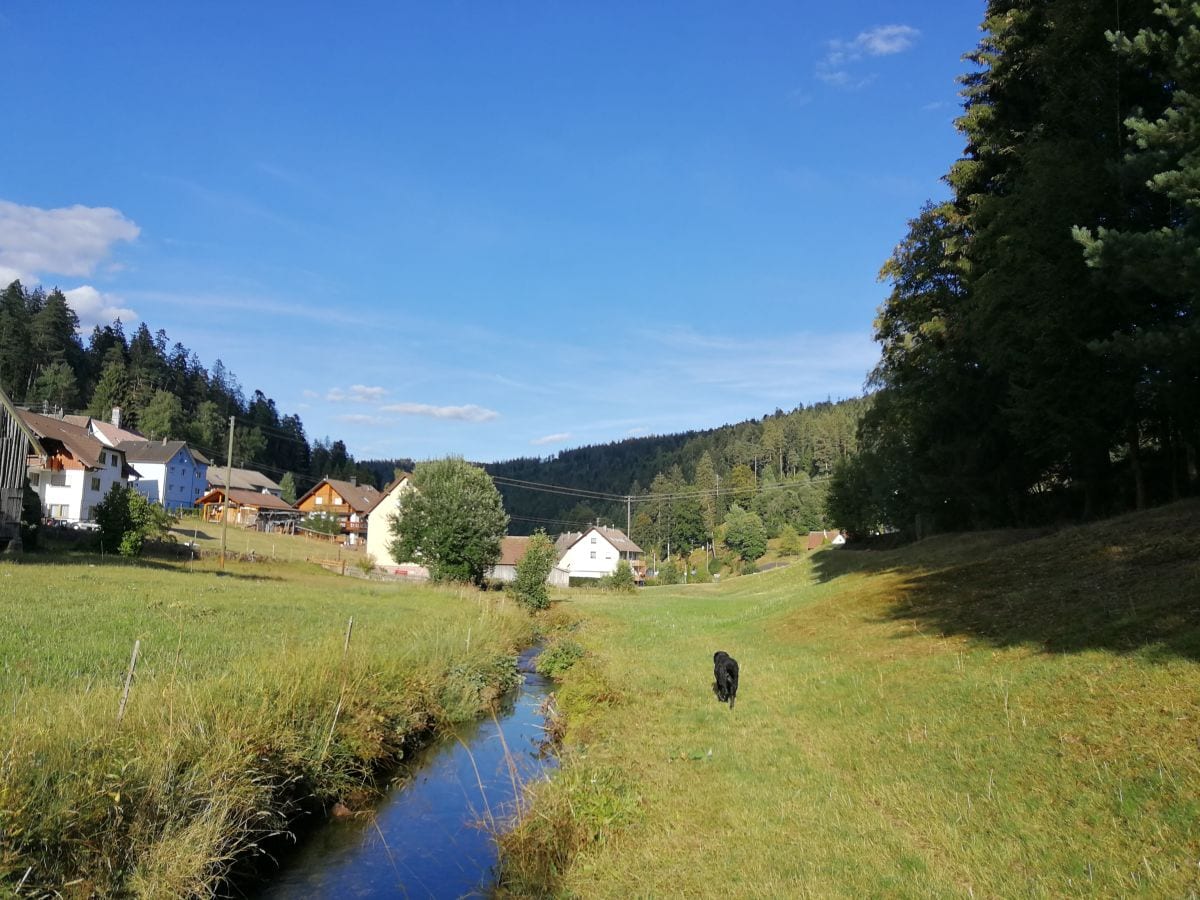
(137, 645)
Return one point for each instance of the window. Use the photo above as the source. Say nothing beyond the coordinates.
(319, 501)
(35, 479)
(593, 539)
(58, 479)
(116, 460)
(337, 501)
(593, 554)
(96, 483)
(58, 510)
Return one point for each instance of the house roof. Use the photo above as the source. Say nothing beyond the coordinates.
(387, 490)
(614, 536)
(242, 479)
(359, 497)
(81, 445)
(512, 549)
(22, 426)
(256, 499)
(157, 451)
(818, 538)
(109, 433)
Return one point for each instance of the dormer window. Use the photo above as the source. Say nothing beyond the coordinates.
(116, 460)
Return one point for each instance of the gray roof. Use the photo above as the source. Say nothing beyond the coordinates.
(243, 479)
(158, 451)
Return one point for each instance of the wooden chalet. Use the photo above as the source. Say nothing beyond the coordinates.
(348, 501)
(249, 509)
(16, 440)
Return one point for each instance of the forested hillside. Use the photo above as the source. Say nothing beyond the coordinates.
(1041, 348)
(161, 388)
(683, 485)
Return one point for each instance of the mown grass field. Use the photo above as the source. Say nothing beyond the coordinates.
(983, 715)
(245, 710)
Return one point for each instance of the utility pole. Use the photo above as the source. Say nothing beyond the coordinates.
(628, 517)
(228, 481)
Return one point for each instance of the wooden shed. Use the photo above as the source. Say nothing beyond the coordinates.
(15, 442)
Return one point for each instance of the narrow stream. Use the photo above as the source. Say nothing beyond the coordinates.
(428, 837)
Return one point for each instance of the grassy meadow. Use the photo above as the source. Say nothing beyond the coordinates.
(998, 714)
(246, 709)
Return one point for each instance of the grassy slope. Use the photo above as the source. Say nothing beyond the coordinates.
(230, 724)
(1006, 713)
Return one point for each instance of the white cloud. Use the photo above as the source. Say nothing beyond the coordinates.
(557, 438)
(885, 40)
(468, 413)
(358, 393)
(96, 308)
(72, 240)
(361, 393)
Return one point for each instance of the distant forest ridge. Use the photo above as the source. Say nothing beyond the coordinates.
(780, 449)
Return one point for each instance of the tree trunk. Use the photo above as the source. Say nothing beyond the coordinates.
(1135, 464)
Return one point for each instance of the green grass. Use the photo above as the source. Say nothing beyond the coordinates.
(996, 714)
(244, 710)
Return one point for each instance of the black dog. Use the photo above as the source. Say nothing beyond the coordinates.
(725, 671)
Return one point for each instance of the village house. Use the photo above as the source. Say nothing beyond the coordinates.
(348, 501)
(15, 442)
(172, 473)
(77, 472)
(249, 509)
(379, 530)
(512, 549)
(595, 553)
(817, 539)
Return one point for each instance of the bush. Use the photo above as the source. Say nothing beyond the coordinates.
(559, 657)
(789, 541)
(529, 588)
(321, 523)
(127, 520)
(620, 580)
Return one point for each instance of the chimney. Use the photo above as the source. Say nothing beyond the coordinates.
(116, 416)
(354, 480)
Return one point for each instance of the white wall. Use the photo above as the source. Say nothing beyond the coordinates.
(379, 530)
(81, 490)
(593, 556)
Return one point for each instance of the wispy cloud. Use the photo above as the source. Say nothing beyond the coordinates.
(557, 438)
(836, 68)
(72, 240)
(358, 393)
(468, 413)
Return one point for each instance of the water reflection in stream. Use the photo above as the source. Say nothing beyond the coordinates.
(425, 838)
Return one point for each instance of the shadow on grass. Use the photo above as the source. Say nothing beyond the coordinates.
(1126, 585)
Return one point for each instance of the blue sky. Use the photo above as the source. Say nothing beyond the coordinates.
(491, 229)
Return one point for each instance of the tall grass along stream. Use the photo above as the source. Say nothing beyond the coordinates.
(432, 834)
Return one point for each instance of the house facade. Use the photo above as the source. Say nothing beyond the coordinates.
(77, 472)
(348, 501)
(171, 472)
(595, 553)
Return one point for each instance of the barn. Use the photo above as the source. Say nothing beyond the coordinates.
(15, 441)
